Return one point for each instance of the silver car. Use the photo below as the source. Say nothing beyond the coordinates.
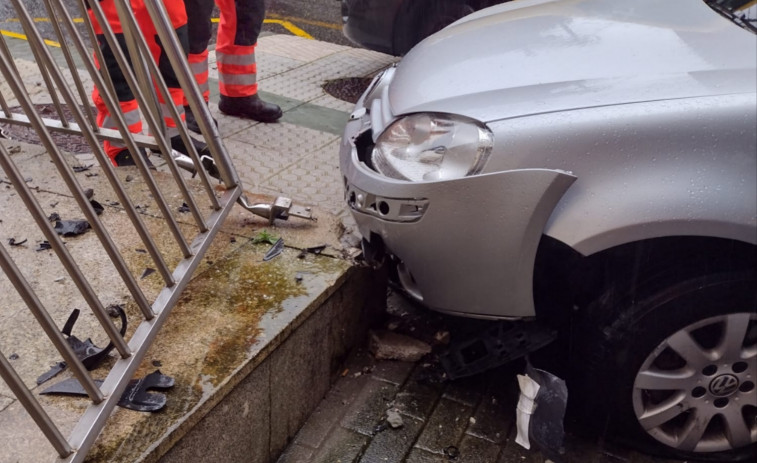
(589, 165)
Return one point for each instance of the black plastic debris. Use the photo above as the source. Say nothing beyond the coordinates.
(502, 343)
(275, 250)
(51, 373)
(98, 208)
(148, 271)
(136, 396)
(141, 251)
(183, 208)
(13, 242)
(13, 356)
(81, 168)
(43, 246)
(71, 227)
(86, 351)
(89, 193)
(54, 217)
(311, 250)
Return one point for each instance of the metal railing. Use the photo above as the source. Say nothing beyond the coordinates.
(145, 81)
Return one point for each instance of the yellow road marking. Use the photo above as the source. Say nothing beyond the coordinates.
(283, 22)
(309, 22)
(23, 37)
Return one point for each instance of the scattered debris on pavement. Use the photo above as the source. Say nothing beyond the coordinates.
(393, 346)
(136, 396)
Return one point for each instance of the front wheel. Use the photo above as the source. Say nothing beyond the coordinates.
(679, 368)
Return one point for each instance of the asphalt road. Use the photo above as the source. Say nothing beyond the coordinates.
(316, 19)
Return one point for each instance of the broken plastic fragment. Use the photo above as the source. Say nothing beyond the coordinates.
(183, 208)
(540, 413)
(275, 250)
(86, 351)
(311, 250)
(525, 408)
(135, 397)
(71, 227)
(98, 208)
(44, 246)
(13, 242)
(148, 271)
(81, 168)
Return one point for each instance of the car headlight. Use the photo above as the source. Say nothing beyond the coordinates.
(432, 146)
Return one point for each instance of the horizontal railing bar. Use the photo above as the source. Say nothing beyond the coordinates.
(145, 141)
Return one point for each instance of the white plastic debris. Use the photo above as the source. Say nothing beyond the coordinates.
(526, 406)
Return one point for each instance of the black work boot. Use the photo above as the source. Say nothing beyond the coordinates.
(249, 107)
(189, 119)
(123, 158)
(178, 144)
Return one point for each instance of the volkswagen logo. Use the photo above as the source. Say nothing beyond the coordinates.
(724, 385)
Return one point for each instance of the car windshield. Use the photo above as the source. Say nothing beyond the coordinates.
(741, 12)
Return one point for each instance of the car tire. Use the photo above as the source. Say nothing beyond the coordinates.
(657, 366)
(424, 18)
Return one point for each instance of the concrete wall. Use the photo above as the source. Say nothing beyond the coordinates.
(258, 418)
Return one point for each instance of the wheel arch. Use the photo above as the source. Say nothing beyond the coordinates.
(567, 282)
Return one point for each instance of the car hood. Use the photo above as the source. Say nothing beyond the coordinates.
(532, 56)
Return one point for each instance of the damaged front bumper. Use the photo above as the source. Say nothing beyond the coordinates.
(465, 246)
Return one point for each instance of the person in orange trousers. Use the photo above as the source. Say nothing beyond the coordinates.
(238, 30)
(117, 151)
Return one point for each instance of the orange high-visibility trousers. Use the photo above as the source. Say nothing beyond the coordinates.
(238, 30)
(177, 14)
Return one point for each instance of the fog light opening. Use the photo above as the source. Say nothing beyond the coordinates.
(383, 207)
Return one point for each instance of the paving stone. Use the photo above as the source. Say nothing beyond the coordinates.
(417, 400)
(475, 450)
(422, 456)
(343, 446)
(392, 371)
(325, 417)
(493, 419)
(296, 453)
(5, 402)
(445, 427)
(467, 391)
(513, 452)
(298, 48)
(391, 445)
(369, 407)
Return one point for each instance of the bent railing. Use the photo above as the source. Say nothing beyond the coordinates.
(69, 72)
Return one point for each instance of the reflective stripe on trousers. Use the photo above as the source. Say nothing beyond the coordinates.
(237, 72)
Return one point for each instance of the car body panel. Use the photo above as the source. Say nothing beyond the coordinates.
(517, 204)
(612, 123)
(558, 56)
(644, 170)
